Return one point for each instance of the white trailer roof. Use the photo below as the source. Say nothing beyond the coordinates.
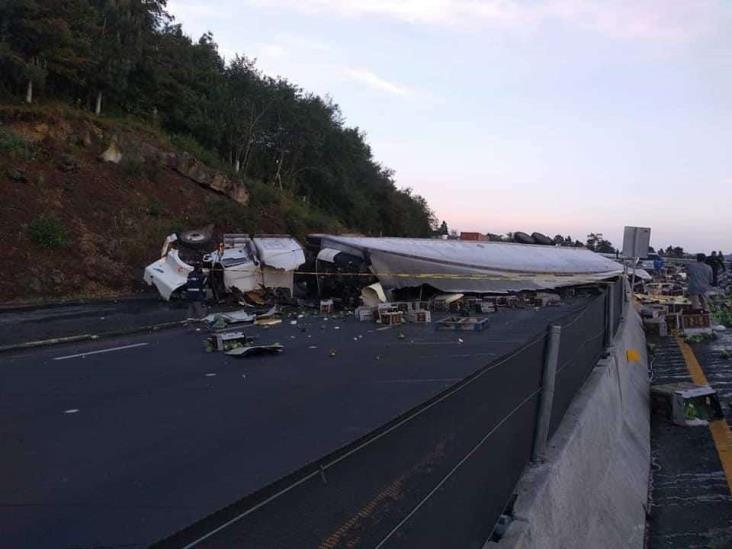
(469, 266)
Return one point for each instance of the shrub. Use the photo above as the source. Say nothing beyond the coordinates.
(13, 144)
(191, 146)
(261, 194)
(155, 208)
(47, 231)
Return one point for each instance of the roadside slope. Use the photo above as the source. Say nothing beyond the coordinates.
(76, 226)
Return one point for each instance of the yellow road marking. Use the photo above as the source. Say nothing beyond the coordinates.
(721, 433)
(692, 364)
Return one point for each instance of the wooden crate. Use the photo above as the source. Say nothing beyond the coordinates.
(698, 320)
(392, 318)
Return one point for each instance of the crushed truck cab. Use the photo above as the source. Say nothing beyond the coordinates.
(243, 263)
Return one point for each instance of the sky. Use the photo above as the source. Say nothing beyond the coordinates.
(557, 116)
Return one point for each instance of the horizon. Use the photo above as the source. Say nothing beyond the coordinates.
(584, 117)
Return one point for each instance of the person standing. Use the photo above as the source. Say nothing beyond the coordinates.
(658, 264)
(714, 263)
(196, 293)
(699, 279)
(720, 258)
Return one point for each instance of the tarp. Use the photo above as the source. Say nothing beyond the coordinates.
(469, 266)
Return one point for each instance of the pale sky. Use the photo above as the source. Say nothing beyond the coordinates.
(557, 116)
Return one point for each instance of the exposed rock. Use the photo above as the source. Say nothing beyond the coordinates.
(188, 166)
(57, 278)
(240, 194)
(112, 154)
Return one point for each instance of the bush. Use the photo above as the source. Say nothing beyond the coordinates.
(261, 194)
(47, 232)
(202, 154)
(13, 144)
(155, 208)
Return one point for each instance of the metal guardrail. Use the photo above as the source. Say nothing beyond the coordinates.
(441, 474)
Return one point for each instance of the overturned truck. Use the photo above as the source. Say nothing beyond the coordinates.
(467, 266)
(240, 264)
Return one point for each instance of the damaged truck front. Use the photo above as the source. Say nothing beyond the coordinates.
(240, 264)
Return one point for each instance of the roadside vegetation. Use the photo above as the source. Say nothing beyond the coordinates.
(131, 63)
(47, 232)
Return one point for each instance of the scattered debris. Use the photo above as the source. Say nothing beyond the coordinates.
(373, 295)
(466, 324)
(685, 403)
(252, 350)
(268, 321)
(444, 301)
(227, 341)
(221, 320)
(364, 313)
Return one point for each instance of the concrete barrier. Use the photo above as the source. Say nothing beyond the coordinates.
(592, 489)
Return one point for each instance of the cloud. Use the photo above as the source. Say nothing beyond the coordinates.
(374, 81)
(658, 20)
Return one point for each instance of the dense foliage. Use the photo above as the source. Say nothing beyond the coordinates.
(130, 57)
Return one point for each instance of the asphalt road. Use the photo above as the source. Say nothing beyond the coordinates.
(123, 447)
(22, 324)
(691, 504)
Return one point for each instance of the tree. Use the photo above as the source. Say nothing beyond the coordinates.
(129, 56)
(443, 230)
(597, 243)
(36, 40)
(246, 105)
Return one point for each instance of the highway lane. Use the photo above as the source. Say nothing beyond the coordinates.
(123, 447)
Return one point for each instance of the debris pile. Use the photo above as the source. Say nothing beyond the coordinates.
(667, 309)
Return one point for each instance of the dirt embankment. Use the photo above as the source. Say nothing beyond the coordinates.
(74, 225)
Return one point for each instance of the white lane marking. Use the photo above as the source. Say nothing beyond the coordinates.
(101, 351)
(429, 380)
(210, 375)
(72, 411)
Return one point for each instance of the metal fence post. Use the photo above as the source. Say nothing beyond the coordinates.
(546, 399)
(610, 314)
(624, 289)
